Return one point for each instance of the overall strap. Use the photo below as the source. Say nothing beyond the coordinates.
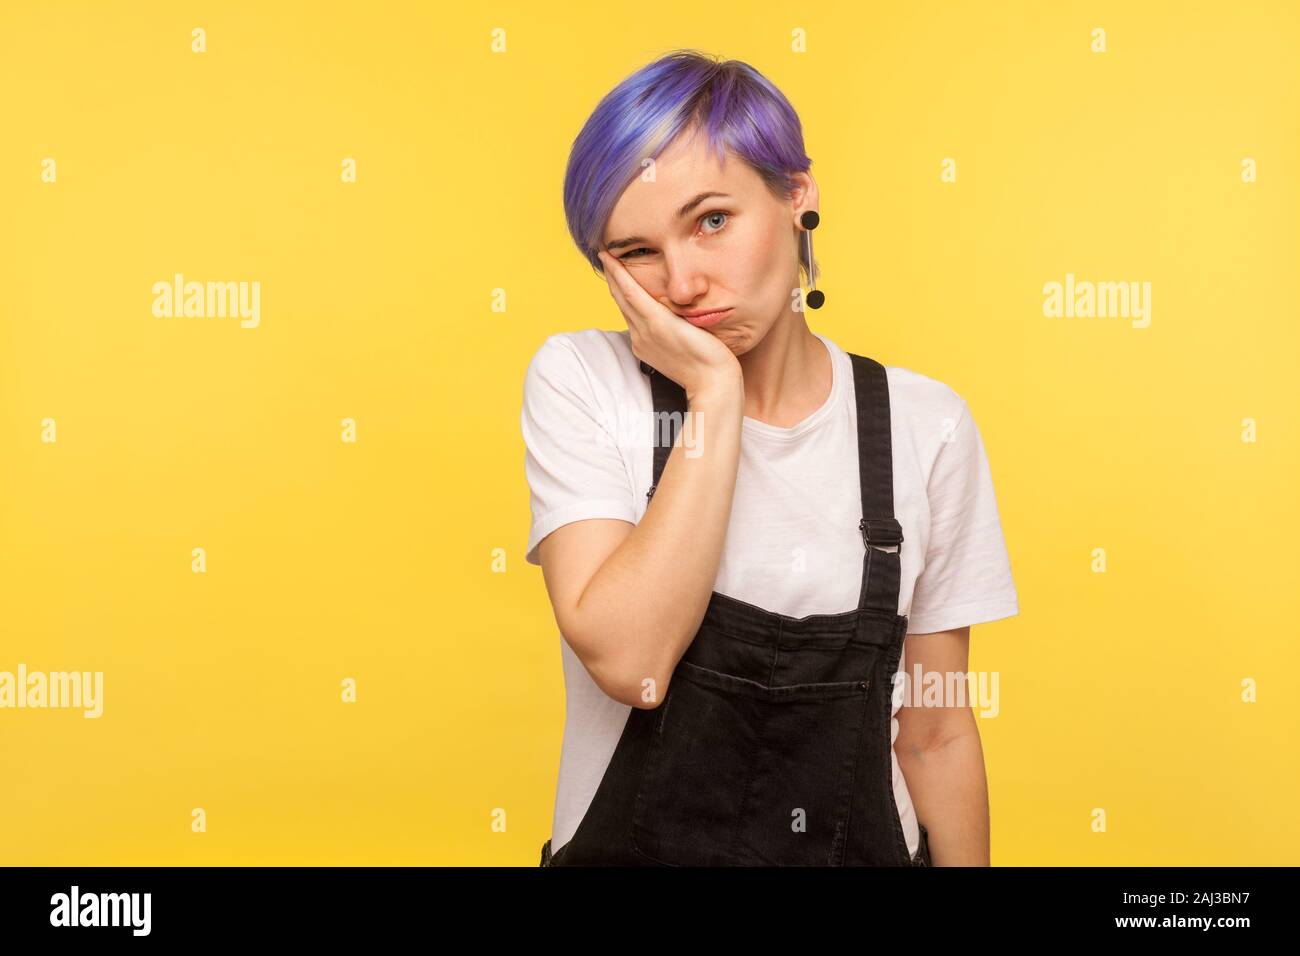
(881, 568)
(669, 413)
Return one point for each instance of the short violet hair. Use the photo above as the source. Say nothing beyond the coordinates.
(735, 105)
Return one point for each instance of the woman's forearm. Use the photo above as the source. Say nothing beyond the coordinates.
(646, 601)
(949, 790)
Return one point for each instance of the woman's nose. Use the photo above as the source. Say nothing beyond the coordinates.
(685, 281)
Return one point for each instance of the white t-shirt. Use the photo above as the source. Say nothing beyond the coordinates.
(792, 545)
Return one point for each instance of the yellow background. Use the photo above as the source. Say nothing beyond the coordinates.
(373, 560)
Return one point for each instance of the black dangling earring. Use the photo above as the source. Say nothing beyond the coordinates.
(815, 298)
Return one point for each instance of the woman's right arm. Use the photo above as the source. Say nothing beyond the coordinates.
(629, 598)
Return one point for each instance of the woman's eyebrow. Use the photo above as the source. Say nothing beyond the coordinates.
(685, 210)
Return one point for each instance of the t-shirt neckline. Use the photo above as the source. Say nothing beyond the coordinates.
(777, 433)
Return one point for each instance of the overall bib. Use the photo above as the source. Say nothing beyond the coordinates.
(773, 744)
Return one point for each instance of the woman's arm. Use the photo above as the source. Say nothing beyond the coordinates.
(940, 754)
(629, 598)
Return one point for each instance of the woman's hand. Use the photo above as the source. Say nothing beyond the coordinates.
(690, 356)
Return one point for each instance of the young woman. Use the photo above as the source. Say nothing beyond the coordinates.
(738, 522)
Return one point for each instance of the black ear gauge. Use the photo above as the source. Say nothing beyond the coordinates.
(815, 299)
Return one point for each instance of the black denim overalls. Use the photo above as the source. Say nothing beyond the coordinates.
(772, 746)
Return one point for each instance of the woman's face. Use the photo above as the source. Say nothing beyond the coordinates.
(737, 250)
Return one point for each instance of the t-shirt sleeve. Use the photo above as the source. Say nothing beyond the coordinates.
(967, 575)
(575, 468)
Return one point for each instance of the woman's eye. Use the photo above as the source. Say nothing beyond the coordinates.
(707, 217)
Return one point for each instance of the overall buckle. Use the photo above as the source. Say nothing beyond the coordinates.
(881, 531)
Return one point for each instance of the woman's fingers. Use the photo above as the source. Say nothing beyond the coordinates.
(635, 302)
(614, 290)
(675, 348)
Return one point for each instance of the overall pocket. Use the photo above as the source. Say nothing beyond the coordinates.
(740, 773)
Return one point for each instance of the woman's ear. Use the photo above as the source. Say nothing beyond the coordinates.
(804, 196)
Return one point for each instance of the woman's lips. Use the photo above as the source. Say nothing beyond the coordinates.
(707, 319)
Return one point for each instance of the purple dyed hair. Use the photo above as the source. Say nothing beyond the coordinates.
(735, 105)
